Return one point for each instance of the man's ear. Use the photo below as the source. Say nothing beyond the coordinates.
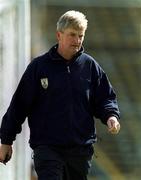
(58, 34)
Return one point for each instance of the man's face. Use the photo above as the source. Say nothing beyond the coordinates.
(70, 40)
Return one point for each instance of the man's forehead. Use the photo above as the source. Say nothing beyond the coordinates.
(73, 30)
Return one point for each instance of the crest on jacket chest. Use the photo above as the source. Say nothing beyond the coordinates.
(44, 83)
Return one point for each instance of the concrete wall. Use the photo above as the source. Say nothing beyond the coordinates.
(14, 57)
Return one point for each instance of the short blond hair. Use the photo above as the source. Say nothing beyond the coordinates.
(72, 19)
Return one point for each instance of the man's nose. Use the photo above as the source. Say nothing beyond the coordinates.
(77, 39)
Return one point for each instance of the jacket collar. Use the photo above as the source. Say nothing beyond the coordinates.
(55, 56)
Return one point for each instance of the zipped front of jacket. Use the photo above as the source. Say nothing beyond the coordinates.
(66, 102)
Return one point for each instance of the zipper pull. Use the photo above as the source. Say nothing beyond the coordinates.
(68, 68)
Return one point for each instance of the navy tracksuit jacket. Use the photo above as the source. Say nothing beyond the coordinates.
(60, 101)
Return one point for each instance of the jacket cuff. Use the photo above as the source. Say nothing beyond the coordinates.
(105, 119)
(6, 140)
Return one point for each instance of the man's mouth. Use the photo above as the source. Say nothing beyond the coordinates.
(75, 46)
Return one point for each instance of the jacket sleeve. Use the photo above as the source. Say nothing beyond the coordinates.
(104, 101)
(20, 106)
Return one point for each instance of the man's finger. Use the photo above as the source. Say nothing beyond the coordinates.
(115, 130)
(7, 158)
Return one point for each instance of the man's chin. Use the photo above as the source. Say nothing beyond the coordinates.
(75, 50)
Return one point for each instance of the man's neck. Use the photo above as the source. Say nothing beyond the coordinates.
(64, 55)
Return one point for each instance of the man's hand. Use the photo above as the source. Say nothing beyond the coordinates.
(5, 153)
(113, 125)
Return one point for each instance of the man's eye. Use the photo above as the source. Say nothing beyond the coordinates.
(72, 35)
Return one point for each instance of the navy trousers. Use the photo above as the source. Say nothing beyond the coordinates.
(59, 163)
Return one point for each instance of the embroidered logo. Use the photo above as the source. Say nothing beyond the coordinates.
(44, 83)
